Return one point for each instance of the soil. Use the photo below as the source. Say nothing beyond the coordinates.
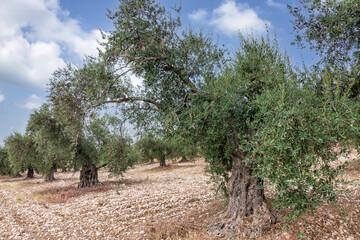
(176, 202)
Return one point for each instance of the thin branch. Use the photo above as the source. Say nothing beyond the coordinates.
(136, 66)
(129, 99)
(101, 166)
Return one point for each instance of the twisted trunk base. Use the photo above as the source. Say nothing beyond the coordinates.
(162, 162)
(50, 177)
(88, 176)
(183, 160)
(30, 173)
(246, 201)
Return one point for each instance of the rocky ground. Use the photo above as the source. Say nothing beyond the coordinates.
(176, 202)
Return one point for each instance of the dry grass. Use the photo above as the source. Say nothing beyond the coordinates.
(63, 194)
(338, 220)
(168, 167)
(191, 226)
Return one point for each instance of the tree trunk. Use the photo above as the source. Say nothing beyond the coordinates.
(88, 176)
(30, 173)
(50, 176)
(151, 160)
(183, 159)
(246, 200)
(162, 161)
(247, 197)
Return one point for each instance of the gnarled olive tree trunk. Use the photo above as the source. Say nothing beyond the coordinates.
(247, 197)
(162, 161)
(30, 173)
(246, 200)
(49, 177)
(183, 159)
(88, 176)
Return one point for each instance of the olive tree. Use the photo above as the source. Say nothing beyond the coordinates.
(51, 141)
(152, 147)
(22, 153)
(107, 146)
(253, 116)
(182, 146)
(331, 27)
(144, 146)
(4, 162)
(94, 142)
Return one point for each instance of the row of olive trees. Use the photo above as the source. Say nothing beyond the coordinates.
(151, 147)
(43, 148)
(5, 168)
(256, 119)
(46, 146)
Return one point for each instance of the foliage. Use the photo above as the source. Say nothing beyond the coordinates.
(94, 140)
(331, 27)
(67, 102)
(165, 61)
(298, 132)
(4, 162)
(154, 147)
(22, 152)
(182, 147)
(51, 141)
(255, 107)
(111, 148)
(289, 128)
(145, 147)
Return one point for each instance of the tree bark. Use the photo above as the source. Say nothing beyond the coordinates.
(30, 173)
(88, 176)
(183, 159)
(151, 160)
(162, 161)
(246, 200)
(247, 197)
(50, 176)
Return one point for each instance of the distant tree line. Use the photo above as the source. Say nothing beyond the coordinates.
(46, 146)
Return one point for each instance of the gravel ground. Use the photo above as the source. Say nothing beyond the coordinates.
(119, 209)
(176, 202)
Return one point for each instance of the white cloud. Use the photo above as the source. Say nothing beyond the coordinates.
(2, 97)
(33, 102)
(198, 15)
(136, 81)
(34, 36)
(272, 3)
(231, 17)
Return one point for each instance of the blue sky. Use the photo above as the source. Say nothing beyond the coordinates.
(38, 36)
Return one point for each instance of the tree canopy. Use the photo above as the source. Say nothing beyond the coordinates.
(51, 141)
(254, 115)
(22, 154)
(331, 27)
(4, 162)
(111, 144)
